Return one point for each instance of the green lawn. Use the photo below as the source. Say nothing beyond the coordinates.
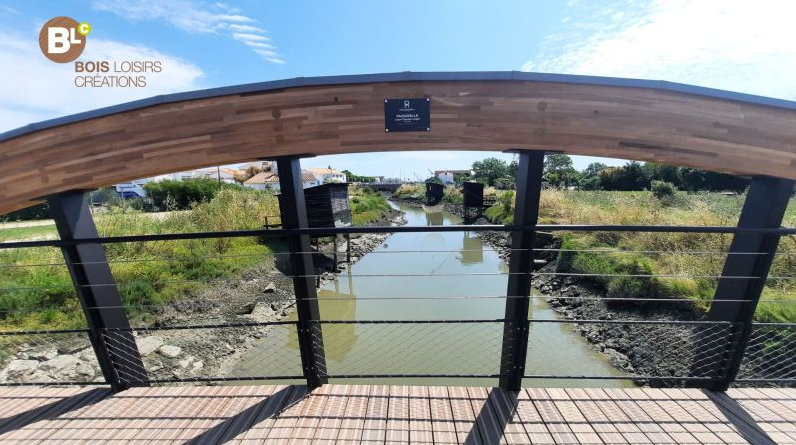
(23, 233)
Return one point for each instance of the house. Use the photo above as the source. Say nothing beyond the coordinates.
(227, 174)
(449, 176)
(259, 165)
(270, 181)
(328, 174)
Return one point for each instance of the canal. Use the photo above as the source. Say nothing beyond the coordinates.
(422, 276)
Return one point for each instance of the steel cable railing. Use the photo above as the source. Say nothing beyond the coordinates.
(688, 350)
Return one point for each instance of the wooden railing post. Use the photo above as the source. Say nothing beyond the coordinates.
(515, 329)
(750, 255)
(294, 216)
(119, 359)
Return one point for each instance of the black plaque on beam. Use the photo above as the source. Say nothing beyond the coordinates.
(407, 114)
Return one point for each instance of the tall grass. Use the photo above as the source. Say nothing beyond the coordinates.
(366, 205)
(680, 254)
(146, 273)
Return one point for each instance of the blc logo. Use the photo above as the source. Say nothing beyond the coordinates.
(63, 39)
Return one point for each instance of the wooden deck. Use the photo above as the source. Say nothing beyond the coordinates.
(377, 414)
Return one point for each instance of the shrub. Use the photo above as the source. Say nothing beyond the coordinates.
(663, 190)
(506, 199)
(183, 194)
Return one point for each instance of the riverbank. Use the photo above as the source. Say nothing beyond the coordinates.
(261, 294)
(639, 347)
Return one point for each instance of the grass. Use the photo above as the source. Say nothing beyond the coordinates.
(675, 257)
(36, 291)
(367, 206)
(23, 233)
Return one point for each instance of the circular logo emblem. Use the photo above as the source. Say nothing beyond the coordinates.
(62, 39)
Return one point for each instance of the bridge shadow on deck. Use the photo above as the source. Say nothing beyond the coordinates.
(365, 414)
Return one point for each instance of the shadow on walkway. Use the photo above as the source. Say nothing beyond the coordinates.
(52, 410)
(747, 426)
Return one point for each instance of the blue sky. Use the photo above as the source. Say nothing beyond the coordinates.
(736, 45)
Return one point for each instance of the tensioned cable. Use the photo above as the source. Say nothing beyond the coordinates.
(327, 252)
(224, 280)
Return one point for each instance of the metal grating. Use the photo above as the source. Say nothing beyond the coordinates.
(254, 351)
(770, 354)
(411, 348)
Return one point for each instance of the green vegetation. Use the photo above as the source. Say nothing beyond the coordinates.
(410, 191)
(367, 206)
(357, 178)
(495, 172)
(622, 253)
(503, 212)
(43, 296)
(23, 233)
(182, 195)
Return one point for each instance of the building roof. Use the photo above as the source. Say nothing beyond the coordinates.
(224, 170)
(270, 178)
(255, 164)
(325, 171)
(262, 178)
(463, 172)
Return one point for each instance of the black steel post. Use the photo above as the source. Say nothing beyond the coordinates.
(515, 329)
(294, 216)
(764, 207)
(116, 351)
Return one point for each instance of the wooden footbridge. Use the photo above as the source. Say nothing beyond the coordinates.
(58, 160)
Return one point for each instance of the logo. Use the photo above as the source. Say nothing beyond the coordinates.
(406, 104)
(63, 39)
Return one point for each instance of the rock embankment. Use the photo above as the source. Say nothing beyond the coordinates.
(636, 337)
(72, 361)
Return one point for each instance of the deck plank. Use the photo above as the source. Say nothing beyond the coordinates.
(464, 416)
(442, 421)
(254, 415)
(420, 416)
(398, 416)
(375, 425)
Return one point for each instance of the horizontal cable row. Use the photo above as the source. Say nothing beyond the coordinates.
(279, 233)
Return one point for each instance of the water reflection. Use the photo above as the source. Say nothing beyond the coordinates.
(435, 270)
(472, 249)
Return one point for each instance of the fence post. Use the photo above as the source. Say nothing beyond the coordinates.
(294, 216)
(120, 361)
(515, 329)
(764, 207)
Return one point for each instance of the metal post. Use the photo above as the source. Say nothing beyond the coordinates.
(294, 216)
(764, 207)
(118, 358)
(515, 329)
(348, 248)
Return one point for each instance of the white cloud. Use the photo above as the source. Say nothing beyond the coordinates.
(193, 17)
(35, 89)
(732, 44)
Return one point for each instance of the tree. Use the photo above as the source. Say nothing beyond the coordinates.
(182, 194)
(357, 178)
(490, 170)
(629, 177)
(593, 169)
(557, 162)
(661, 172)
(558, 169)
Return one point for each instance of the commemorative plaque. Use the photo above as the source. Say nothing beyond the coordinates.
(407, 114)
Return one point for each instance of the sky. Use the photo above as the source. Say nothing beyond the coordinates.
(737, 45)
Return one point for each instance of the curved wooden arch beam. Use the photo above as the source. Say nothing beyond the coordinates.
(644, 120)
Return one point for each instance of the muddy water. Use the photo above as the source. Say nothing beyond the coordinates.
(449, 276)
